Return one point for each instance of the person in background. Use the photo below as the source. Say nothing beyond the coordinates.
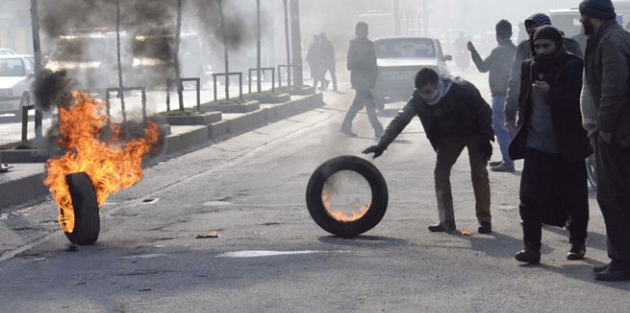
(454, 116)
(606, 116)
(328, 60)
(551, 140)
(363, 74)
(498, 63)
(315, 62)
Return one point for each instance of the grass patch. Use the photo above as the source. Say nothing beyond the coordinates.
(178, 112)
(20, 145)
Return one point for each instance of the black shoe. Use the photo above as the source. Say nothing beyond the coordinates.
(348, 132)
(599, 269)
(443, 227)
(495, 163)
(528, 255)
(611, 274)
(485, 227)
(577, 252)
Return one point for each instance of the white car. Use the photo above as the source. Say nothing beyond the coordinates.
(16, 77)
(399, 59)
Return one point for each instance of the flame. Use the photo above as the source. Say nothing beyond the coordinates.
(110, 165)
(340, 215)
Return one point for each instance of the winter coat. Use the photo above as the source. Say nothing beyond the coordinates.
(362, 63)
(315, 60)
(608, 78)
(461, 111)
(524, 52)
(328, 54)
(498, 63)
(563, 98)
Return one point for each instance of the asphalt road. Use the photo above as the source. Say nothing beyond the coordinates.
(271, 257)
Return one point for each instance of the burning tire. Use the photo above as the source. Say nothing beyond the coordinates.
(320, 213)
(87, 223)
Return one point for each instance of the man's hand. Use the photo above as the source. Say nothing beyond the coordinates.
(541, 87)
(485, 147)
(511, 126)
(470, 46)
(374, 149)
(606, 137)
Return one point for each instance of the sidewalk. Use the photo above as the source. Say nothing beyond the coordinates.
(24, 181)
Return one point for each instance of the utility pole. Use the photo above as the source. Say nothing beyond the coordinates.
(121, 92)
(258, 57)
(178, 78)
(286, 30)
(296, 40)
(37, 53)
(225, 52)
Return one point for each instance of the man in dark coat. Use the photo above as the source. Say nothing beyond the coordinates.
(553, 143)
(315, 60)
(608, 121)
(498, 63)
(328, 58)
(363, 74)
(454, 117)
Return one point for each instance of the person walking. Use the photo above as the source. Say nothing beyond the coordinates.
(363, 74)
(454, 117)
(328, 56)
(315, 60)
(551, 140)
(606, 116)
(498, 63)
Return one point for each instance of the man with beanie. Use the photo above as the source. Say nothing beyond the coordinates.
(551, 140)
(498, 63)
(606, 116)
(454, 116)
(523, 52)
(363, 74)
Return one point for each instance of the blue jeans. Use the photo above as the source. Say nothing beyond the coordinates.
(504, 136)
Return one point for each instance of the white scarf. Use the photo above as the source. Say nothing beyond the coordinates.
(444, 85)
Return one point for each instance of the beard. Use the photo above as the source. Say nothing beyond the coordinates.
(589, 28)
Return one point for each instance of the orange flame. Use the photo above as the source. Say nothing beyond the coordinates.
(109, 165)
(340, 215)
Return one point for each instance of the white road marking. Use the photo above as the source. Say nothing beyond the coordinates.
(263, 253)
(144, 256)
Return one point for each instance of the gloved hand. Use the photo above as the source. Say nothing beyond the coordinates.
(374, 149)
(485, 147)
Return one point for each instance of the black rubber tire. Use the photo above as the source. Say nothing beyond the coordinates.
(87, 224)
(315, 204)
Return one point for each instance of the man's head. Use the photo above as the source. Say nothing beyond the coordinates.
(426, 81)
(546, 40)
(594, 13)
(535, 21)
(323, 36)
(503, 30)
(361, 29)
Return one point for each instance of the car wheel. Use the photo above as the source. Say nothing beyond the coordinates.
(87, 223)
(315, 202)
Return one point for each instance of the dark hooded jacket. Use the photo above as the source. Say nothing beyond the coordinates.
(461, 111)
(608, 79)
(564, 75)
(362, 63)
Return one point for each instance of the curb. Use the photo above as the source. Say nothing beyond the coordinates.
(182, 139)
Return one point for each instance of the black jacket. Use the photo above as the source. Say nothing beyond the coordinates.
(362, 63)
(462, 111)
(565, 80)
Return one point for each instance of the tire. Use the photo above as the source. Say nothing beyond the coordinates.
(87, 223)
(372, 216)
(591, 171)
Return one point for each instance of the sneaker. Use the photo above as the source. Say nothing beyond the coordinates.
(495, 163)
(577, 252)
(442, 227)
(485, 227)
(528, 255)
(348, 132)
(503, 168)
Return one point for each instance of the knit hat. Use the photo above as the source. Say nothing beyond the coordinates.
(548, 32)
(600, 9)
(504, 29)
(538, 19)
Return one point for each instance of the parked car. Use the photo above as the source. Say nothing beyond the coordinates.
(399, 59)
(17, 73)
(4, 51)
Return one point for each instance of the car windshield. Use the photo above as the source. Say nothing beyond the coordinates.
(12, 67)
(405, 48)
(80, 49)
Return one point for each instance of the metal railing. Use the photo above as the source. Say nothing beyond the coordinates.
(263, 70)
(170, 82)
(121, 90)
(240, 83)
(297, 66)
